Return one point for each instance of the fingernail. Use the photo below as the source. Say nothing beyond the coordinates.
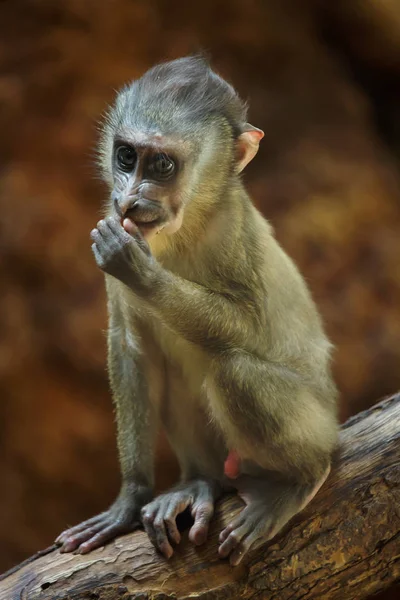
(168, 552)
(200, 537)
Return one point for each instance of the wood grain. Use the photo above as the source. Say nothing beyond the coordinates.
(344, 545)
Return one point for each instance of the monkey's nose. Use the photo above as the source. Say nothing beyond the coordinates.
(122, 203)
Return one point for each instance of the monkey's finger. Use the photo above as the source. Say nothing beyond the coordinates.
(202, 514)
(100, 231)
(161, 538)
(110, 234)
(72, 542)
(118, 237)
(78, 528)
(148, 527)
(242, 549)
(104, 536)
(232, 541)
(95, 234)
(174, 509)
(97, 255)
(141, 242)
(102, 241)
(155, 529)
(116, 228)
(130, 229)
(172, 529)
(114, 222)
(238, 522)
(129, 226)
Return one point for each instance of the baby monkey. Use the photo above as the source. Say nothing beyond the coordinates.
(212, 331)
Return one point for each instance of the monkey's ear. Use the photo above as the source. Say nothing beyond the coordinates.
(247, 145)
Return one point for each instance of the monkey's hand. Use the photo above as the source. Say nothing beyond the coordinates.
(125, 256)
(159, 517)
(122, 517)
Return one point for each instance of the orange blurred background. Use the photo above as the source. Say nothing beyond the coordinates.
(322, 80)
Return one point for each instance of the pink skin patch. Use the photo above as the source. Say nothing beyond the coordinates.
(232, 465)
(129, 226)
(232, 470)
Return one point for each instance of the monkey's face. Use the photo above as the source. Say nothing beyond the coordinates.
(147, 175)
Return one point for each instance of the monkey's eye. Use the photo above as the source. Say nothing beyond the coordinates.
(162, 166)
(126, 158)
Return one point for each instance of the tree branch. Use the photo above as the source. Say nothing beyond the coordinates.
(345, 544)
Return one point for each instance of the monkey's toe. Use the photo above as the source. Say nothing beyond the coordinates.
(160, 525)
(94, 533)
(67, 537)
(250, 526)
(202, 514)
(198, 534)
(104, 535)
(73, 542)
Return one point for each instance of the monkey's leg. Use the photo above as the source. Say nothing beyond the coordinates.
(200, 452)
(284, 430)
(136, 430)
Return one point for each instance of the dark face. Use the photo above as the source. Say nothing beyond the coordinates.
(147, 172)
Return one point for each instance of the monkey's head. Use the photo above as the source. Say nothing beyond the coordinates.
(175, 137)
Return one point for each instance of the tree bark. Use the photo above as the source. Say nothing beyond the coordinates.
(344, 545)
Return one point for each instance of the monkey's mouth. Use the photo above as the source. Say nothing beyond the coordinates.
(146, 221)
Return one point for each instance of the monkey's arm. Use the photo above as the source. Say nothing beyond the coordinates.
(136, 433)
(201, 315)
(136, 426)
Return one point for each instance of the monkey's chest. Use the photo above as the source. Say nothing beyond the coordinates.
(183, 360)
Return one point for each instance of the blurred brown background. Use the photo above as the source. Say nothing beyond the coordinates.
(322, 79)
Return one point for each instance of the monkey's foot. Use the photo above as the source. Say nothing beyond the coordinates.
(159, 517)
(270, 504)
(122, 517)
(95, 532)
